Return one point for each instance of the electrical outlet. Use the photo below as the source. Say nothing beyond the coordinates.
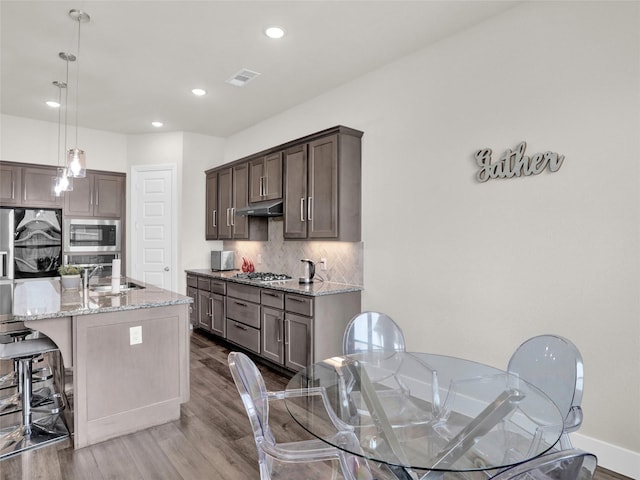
(135, 335)
(323, 261)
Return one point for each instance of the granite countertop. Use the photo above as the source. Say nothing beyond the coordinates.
(315, 289)
(44, 298)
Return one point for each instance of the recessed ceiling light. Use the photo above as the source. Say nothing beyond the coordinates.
(53, 104)
(199, 92)
(274, 32)
(157, 124)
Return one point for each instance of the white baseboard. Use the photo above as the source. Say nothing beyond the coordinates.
(611, 457)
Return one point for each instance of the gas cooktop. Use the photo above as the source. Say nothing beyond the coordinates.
(264, 277)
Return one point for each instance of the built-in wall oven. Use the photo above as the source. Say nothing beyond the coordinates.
(88, 235)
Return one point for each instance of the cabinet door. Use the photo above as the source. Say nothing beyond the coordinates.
(272, 332)
(218, 321)
(240, 223)
(36, 187)
(298, 341)
(323, 188)
(10, 185)
(204, 310)
(79, 201)
(295, 192)
(211, 230)
(225, 190)
(256, 180)
(109, 194)
(193, 308)
(272, 183)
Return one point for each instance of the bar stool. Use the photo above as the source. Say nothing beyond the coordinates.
(11, 379)
(29, 433)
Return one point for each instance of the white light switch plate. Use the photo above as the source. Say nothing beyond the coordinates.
(135, 335)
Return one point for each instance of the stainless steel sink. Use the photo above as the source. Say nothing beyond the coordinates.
(124, 287)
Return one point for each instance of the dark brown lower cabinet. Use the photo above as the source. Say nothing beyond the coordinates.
(288, 329)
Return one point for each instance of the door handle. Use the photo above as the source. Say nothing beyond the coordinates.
(213, 218)
(309, 208)
(302, 209)
(166, 269)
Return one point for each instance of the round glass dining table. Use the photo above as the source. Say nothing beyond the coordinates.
(424, 411)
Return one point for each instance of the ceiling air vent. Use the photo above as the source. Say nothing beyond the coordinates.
(241, 78)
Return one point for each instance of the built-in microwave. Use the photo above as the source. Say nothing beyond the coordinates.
(91, 235)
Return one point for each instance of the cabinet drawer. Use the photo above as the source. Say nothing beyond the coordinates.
(244, 292)
(272, 298)
(203, 283)
(192, 281)
(218, 286)
(299, 304)
(245, 312)
(243, 335)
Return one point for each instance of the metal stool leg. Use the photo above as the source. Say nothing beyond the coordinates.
(30, 433)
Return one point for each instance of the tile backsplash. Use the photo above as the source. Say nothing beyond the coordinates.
(344, 259)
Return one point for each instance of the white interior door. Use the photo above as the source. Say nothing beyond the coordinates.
(153, 236)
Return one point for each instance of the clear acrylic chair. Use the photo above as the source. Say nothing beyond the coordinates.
(554, 365)
(255, 398)
(569, 464)
(375, 332)
(371, 332)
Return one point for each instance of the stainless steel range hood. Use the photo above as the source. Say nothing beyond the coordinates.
(272, 208)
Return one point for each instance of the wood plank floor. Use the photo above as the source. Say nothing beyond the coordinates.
(211, 440)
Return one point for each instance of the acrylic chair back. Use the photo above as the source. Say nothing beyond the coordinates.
(570, 464)
(553, 364)
(370, 332)
(254, 395)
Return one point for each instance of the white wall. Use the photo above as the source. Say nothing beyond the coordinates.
(33, 141)
(478, 268)
(192, 154)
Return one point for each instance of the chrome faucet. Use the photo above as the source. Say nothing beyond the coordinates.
(88, 275)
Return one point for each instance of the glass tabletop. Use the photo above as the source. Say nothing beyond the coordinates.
(426, 411)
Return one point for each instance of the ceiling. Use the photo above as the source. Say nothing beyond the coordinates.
(139, 59)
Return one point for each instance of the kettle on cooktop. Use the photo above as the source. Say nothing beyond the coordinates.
(309, 271)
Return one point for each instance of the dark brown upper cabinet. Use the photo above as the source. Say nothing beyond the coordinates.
(322, 188)
(232, 186)
(99, 195)
(265, 178)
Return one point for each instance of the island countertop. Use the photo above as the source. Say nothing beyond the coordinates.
(44, 298)
(315, 289)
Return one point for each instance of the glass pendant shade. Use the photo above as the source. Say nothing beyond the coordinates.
(76, 163)
(61, 183)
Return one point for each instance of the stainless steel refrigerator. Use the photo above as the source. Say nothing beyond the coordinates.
(6, 263)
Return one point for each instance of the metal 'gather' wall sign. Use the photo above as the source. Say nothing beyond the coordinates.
(514, 163)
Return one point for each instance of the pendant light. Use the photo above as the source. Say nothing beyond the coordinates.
(76, 160)
(62, 182)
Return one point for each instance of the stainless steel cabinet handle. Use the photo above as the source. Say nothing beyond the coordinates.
(302, 209)
(228, 222)
(294, 299)
(233, 217)
(13, 190)
(309, 208)
(240, 326)
(213, 218)
(241, 304)
(286, 338)
(210, 307)
(270, 294)
(278, 339)
(96, 196)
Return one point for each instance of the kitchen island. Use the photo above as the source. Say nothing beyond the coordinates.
(128, 351)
